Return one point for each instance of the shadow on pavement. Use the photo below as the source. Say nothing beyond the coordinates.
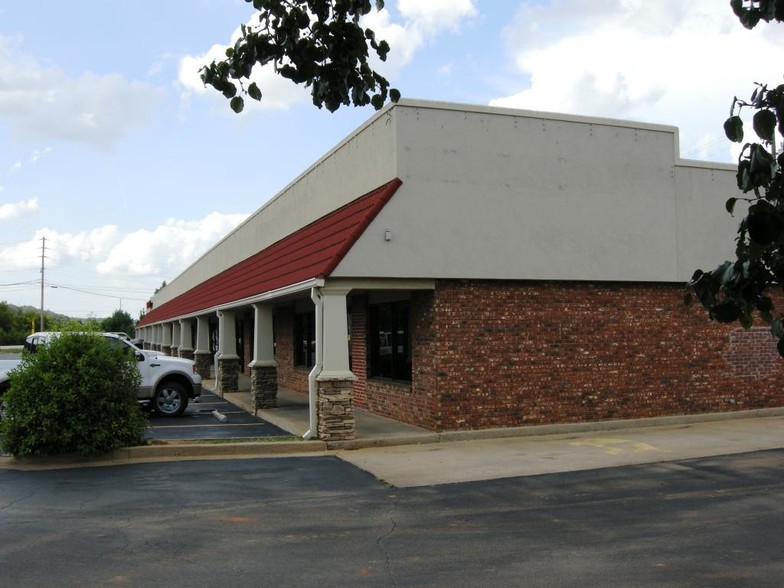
(200, 422)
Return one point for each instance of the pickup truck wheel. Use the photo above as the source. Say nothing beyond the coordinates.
(170, 399)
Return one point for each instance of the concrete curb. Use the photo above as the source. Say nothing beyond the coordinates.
(167, 452)
(197, 450)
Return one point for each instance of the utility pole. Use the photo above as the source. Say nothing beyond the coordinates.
(43, 257)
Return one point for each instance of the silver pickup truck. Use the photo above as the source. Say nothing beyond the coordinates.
(168, 383)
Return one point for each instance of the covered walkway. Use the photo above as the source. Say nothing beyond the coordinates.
(292, 416)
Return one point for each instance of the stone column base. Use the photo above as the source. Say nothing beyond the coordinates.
(186, 353)
(166, 349)
(264, 386)
(335, 410)
(228, 377)
(203, 361)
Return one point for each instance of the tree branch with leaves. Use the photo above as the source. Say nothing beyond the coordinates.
(740, 290)
(316, 43)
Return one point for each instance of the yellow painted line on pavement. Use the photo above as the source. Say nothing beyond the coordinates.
(615, 446)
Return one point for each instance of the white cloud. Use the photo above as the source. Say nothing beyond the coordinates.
(422, 22)
(169, 248)
(668, 61)
(277, 93)
(45, 103)
(165, 250)
(19, 209)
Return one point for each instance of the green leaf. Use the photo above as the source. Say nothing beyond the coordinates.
(765, 125)
(237, 104)
(764, 224)
(725, 312)
(763, 166)
(733, 128)
(394, 95)
(730, 205)
(254, 92)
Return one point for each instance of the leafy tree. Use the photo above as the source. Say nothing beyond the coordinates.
(120, 321)
(74, 394)
(318, 43)
(740, 289)
(15, 324)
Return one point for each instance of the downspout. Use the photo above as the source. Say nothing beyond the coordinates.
(315, 296)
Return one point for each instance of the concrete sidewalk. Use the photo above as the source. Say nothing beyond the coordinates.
(492, 458)
(404, 455)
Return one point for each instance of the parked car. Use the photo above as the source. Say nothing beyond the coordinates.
(6, 365)
(168, 383)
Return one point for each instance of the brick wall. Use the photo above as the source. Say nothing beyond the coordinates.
(495, 354)
(247, 341)
(413, 403)
(358, 350)
(511, 354)
(289, 377)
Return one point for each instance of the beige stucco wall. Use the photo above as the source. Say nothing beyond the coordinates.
(503, 194)
(360, 163)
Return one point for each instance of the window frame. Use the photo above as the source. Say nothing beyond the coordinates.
(400, 325)
(304, 331)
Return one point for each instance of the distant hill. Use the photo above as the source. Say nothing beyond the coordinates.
(47, 313)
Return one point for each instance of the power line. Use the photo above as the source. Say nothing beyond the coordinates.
(97, 293)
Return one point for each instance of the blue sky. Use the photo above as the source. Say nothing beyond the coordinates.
(112, 149)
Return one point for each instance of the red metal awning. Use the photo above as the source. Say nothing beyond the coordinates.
(313, 251)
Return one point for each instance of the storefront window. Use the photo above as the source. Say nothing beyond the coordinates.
(389, 340)
(305, 339)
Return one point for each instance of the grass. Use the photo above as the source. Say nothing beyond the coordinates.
(11, 349)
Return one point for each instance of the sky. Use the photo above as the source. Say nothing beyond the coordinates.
(112, 150)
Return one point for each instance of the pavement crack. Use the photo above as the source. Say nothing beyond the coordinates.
(13, 502)
(389, 515)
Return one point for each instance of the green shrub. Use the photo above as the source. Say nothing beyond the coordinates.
(75, 394)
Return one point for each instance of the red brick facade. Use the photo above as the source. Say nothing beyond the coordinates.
(495, 354)
(290, 376)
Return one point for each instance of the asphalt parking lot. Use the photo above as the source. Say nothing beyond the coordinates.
(318, 521)
(204, 420)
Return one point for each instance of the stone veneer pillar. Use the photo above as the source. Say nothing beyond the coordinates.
(263, 368)
(228, 377)
(203, 361)
(264, 386)
(335, 410)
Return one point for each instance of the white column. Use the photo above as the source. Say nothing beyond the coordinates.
(203, 334)
(175, 342)
(335, 335)
(227, 335)
(263, 342)
(186, 335)
(166, 337)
